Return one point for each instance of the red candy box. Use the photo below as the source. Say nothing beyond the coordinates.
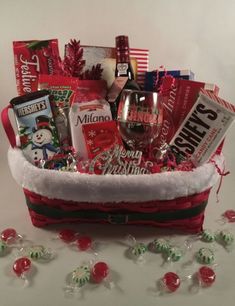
(100, 136)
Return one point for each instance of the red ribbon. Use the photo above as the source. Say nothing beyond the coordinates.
(7, 126)
(222, 173)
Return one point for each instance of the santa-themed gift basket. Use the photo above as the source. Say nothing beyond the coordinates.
(86, 152)
(170, 199)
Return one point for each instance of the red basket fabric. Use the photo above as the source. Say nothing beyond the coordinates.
(185, 214)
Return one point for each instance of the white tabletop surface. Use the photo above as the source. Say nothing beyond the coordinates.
(197, 35)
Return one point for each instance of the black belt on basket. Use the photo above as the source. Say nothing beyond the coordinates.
(117, 217)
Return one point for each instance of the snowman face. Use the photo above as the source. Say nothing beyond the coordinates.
(42, 137)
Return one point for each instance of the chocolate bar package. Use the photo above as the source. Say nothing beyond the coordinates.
(177, 97)
(153, 79)
(36, 127)
(204, 128)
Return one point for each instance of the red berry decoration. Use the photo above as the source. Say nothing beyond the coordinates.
(67, 235)
(171, 281)
(84, 243)
(99, 272)
(206, 276)
(9, 235)
(21, 265)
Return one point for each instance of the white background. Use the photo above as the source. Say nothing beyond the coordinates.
(197, 35)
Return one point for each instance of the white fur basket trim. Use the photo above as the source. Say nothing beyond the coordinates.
(111, 188)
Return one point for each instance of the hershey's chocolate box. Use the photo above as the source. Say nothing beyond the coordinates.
(204, 128)
(178, 97)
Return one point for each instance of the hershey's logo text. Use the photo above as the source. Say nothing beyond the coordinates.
(32, 108)
(194, 130)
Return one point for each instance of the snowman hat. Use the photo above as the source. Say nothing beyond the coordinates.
(42, 122)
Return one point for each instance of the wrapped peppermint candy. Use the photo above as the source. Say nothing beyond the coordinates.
(22, 268)
(206, 235)
(226, 239)
(170, 251)
(67, 235)
(77, 279)
(10, 236)
(78, 241)
(174, 253)
(93, 272)
(206, 276)
(229, 215)
(85, 243)
(203, 278)
(205, 256)
(100, 273)
(136, 249)
(38, 253)
(160, 245)
(169, 283)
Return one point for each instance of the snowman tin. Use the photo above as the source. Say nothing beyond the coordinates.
(36, 127)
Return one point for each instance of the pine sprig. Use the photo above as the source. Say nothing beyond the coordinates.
(73, 63)
(94, 73)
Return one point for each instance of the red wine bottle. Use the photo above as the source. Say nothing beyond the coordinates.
(124, 75)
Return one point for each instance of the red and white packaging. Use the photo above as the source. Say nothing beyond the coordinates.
(101, 136)
(89, 107)
(178, 97)
(106, 56)
(88, 90)
(204, 128)
(62, 90)
(31, 58)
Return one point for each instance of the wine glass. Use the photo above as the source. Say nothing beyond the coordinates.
(140, 115)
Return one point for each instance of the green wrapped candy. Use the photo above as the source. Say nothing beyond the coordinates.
(81, 276)
(205, 256)
(226, 237)
(139, 249)
(37, 252)
(208, 236)
(160, 245)
(174, 253)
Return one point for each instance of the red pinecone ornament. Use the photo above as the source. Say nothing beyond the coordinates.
(73, 62)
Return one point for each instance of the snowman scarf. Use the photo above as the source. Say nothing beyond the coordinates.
(44, 148)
